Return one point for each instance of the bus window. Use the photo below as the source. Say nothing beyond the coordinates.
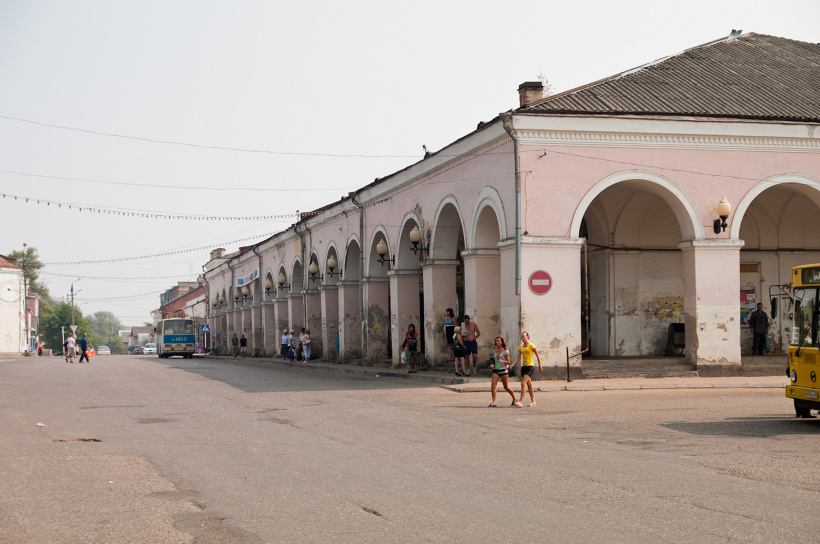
(805, 303)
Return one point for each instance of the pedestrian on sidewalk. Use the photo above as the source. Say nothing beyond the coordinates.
(470, 334)
(84, 348)
(283, 348)
(306, 345)
(235, 345)
(526, 351)
(501, 368)
(243, 344)
(291, 355)
(759, 323)
(69, 347)
(411, 349)
(458, 352)
(449, 327)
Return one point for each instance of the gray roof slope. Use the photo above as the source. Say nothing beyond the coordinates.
(752, 76)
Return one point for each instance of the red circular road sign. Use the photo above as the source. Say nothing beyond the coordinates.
(540, 282)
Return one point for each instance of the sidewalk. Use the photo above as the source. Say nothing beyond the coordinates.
(480, 384)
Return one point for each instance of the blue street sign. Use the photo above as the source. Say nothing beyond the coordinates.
(206, 328)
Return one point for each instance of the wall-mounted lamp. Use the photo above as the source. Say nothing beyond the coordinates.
(282, 279)
(313, 269)
(381, 249)
(331, 265)
(415, 238)
(246, 293)
(236, 294)
(268, 285)
(221, 300)
(723, 209)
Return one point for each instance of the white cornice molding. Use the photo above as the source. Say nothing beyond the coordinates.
(680, 133)
(676, 141)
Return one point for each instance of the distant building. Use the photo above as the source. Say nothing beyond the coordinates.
(13, 309)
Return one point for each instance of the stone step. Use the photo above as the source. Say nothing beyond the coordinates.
(638, 368)
(641, 374)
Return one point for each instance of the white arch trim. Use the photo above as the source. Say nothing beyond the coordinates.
(488, 196)
(379, 229)
(684, 208)
(768, 183)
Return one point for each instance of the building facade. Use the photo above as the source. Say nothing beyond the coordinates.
(586, 219)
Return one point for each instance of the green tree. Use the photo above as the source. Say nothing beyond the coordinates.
(57, 316)
(106, 327)
(30, 261)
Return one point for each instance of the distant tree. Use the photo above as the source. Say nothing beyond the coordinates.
(30, 261)
(55, 317)
(106, 331)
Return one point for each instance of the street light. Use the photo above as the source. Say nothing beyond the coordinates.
(415, 238)
(313, 269)
(331, 264)
(381, 249)
(72, 301)
(268, 285)
(246, 292)
(282, 279)
(723, 209)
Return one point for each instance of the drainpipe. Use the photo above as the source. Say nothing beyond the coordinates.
(361, 274)
(231, 303)
(260, 291)
(304, 268)
(506, 119)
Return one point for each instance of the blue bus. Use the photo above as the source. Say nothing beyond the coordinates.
(175, 337)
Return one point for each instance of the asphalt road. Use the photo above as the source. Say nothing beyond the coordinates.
(137, 449)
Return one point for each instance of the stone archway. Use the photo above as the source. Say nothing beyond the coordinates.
(778, 220)
(632, 266)
(350, 315)
(406, 289)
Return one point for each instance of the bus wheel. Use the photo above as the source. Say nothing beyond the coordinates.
(802, 412)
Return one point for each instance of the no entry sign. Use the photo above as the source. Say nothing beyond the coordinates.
(540, 282)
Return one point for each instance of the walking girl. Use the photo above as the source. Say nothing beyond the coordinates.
(526, 351)
(501, 369)
(458, 352)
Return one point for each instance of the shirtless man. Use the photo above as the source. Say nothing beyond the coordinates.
(470, 333)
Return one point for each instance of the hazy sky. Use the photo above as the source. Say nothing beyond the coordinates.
(305, 82)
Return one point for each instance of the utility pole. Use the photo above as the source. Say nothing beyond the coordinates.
(72, 303)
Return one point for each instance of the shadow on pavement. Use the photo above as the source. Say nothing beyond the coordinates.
(753, 427)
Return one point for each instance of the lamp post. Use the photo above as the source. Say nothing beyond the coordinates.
(72, 303)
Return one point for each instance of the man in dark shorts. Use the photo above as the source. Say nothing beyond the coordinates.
(235, 345)
(243, 345)
(470, 333)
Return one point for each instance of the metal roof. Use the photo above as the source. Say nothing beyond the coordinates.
(751, 76)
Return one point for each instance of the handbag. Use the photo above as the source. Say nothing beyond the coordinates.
(290, 354)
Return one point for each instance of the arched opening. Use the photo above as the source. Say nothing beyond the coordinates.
(631, 267)
(444, 278)
(778, 222)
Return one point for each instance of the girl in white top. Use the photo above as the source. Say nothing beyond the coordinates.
(70, 346)
(501, 368)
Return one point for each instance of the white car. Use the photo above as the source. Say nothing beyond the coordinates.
(149, 349)
(103, 350)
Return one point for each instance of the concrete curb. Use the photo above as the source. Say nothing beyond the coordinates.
(481, 384)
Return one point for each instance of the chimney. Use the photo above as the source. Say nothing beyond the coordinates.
(218, 253)
(529, 92)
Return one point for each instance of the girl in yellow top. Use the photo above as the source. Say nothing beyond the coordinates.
(526, 351)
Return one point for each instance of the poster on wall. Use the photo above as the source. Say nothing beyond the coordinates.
(748, 302)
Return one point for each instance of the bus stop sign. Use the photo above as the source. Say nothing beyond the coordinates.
(540, 282)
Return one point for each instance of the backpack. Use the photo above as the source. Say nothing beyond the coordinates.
(65, 344)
